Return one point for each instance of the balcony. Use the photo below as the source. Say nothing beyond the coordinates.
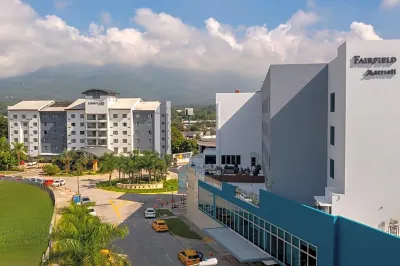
(91, 125)
(91, 117)
(101, 117)
(102, 126)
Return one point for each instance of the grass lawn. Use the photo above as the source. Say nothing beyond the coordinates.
(179, 228)
(163, 212)
(26, 213)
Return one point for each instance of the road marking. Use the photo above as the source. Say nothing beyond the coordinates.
(115, 209)
(134, 241)
(168, 257)
(134, 225)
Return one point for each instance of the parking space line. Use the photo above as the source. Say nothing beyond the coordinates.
(168, 257)
(115, 209)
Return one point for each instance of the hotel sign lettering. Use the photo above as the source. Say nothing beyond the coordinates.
(376, 61)
(95, 103)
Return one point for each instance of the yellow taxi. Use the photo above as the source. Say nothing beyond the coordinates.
(189, 257)
(159, 225)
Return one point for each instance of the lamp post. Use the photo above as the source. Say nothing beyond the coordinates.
(172, 197)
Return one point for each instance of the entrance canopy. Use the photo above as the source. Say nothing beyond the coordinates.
(240, 248)
(96, 151)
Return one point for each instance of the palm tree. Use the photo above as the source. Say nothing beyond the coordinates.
(66, 158)
(85, 159)
(108, 163)
(149, 161)
(81, 239)
(19, 150)
(130, 166)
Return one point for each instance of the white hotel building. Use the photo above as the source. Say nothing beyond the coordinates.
(327, 135)
(100, 119)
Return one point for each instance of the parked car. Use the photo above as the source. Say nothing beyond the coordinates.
(190, 257)
(150, 213)
(56, 183)
(62, 182)
(48, 182)
(85, 200)
(92, 211)
(159, 226)
(39, 180)
(31, 163)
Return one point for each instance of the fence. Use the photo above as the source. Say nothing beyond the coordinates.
(45, 255)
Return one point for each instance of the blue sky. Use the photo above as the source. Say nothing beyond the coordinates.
(337, 14)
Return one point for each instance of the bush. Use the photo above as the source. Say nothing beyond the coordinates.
(51, 169)
(17, 169)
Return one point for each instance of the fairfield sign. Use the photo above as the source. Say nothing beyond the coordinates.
(96, 103)
(376, 61)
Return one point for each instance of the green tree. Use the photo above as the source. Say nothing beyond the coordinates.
(66, 158)
(51, 169)
(81, 239)
(131, 166)
(148, 161)
(168, 160)
(20, 151)
(7, 158)
(195, 127)
(178, 125)
(85, 159)
(3, 127)
(79, 166)
(176, 139)
(108, 163)
(189, 145)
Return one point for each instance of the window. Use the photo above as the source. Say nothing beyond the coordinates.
(116, 150)
(34, 116)
(124, 141)
(115, 124)
(55, 116)
(150, 115)
(35, 140)
(125, 150)
(73, 140)
(45, 132)
(163, 146)
(35, 124)
(82, 116)
(72, 115)
(115, 115)
(45, 148)
(44, 139)
(231, 159)
(162, 138)
(137, 132)
(82, 141)
(210, 159)
(81, 132)
(124, 132)
(115, 132)
(73, 148)
(125, 124)
(331, 168)
(35, 132)
(25, 124)
(124, 115)
(45, 124)
(162, 115)
(25, 131)
(15, 116)
(150, 140)
(15, 124)
(163, 131)
(332, 135)
(54, 132)
(149, 132)
(332, 102)
(137, 140)
(137, 115)
(115, 140)
(15, 140)
(162, 123)
(73, 124)
(35, 148)
(73, 132)
(15, 132)
(23, 116)
(25, 139)
(55, 148)
(137, 124)
(82, 124)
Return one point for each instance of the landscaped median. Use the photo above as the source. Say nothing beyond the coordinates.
(168, 187)
(177, 227)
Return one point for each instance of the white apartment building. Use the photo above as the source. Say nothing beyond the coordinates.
(327, 133)
(100, 119)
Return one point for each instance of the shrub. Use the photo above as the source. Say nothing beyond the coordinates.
(51, 169)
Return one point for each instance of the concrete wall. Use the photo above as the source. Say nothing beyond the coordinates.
(297, 134)
(371, 131)
(141, 127)
(53, 132)
(239, 123)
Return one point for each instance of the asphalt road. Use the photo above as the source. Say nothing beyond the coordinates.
(143, 245)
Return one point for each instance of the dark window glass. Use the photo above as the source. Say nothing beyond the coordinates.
(303, 259)
(312, 261)
(312, 250)
(331, 168)
(332, 135)
(288, 254)
(273, 246)
(332, 102)
(280, 249)
(238, 159)
(295, 257)
(267, 242)
(303, 246)
(222, 159)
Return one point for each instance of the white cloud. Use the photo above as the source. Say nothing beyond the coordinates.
(29, 42)
(61, 4)
(105, 18)
(387, 4)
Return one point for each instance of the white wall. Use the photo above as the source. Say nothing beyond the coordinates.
(120, 128)
(372, 143)
(16, 132)
(239, 126)
(74, 124)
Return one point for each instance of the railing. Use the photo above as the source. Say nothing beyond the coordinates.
(45, 255)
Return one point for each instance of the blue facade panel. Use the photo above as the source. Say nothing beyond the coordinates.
(339, 241)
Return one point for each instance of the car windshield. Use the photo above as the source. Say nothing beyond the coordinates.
(91, 210)
(150, 210)
(194, 257)
(85, 199)
(161, 223)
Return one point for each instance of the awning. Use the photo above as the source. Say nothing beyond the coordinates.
(322, 201)
(240, 248)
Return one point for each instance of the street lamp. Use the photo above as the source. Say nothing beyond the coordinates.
(172, 197)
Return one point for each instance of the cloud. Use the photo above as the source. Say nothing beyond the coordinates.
(29, 41)
(61, 4)
(105, 18)
(388, 4)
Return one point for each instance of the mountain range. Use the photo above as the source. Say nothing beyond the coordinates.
(67, 82)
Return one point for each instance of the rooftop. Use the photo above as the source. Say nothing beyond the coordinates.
(57, 107)
(77, 105)
(100, 91)
(125, 103)
(30, 105)
(148, 106)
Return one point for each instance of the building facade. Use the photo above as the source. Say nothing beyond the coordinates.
(100, 119)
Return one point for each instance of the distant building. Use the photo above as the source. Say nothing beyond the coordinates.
(99, 119)
(192, 134)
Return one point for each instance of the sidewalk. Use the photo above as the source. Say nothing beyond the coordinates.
(207, 244)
